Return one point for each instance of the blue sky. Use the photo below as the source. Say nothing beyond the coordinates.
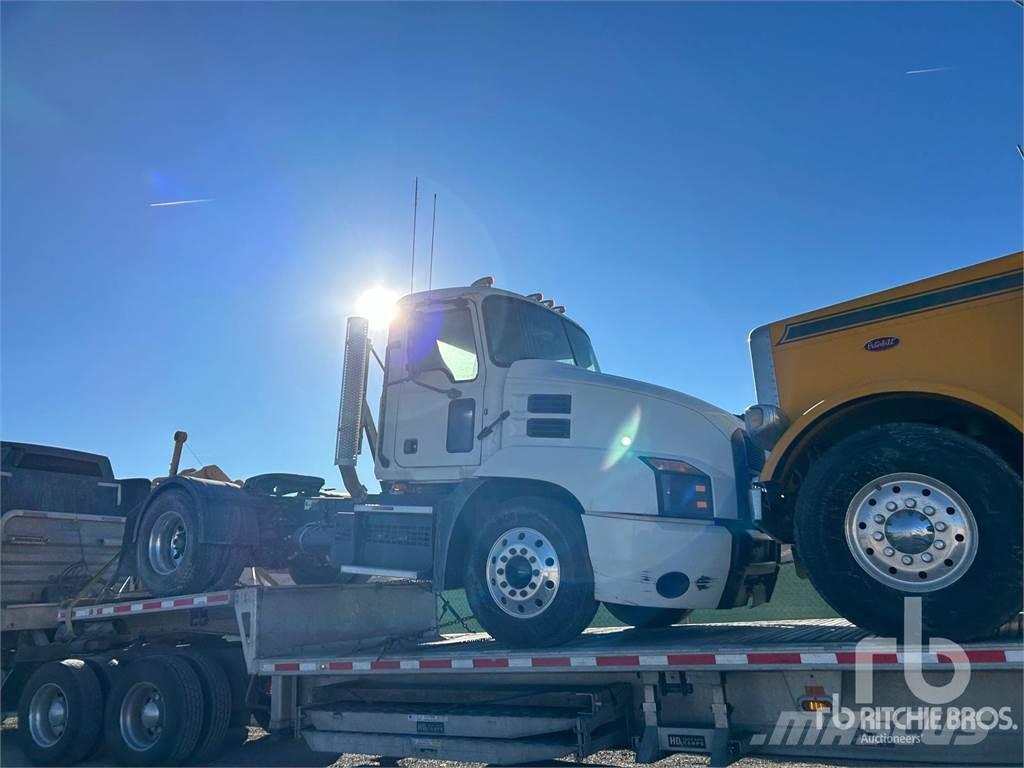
(674, 174)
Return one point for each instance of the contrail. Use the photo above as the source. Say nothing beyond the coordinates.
(181, 202)
(926, 71)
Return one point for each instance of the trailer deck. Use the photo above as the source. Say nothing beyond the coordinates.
(384, 681)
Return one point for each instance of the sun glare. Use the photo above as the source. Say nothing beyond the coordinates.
(378, 306)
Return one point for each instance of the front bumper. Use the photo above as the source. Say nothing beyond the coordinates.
(679, 564)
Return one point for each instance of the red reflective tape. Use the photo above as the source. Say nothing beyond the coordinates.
(385, 664)
(691, 658)
(122, 608)
(618, 661)
(435, 663)
(850, 657)
(223, 598)
(152, 605)
(485, 663)
(182, 601)
(340, 665)
(287, 666)
(773, 658)
(550, 661)
(979, 656)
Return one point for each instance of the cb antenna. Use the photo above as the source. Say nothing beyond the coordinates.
(415, 204)
(433, 226)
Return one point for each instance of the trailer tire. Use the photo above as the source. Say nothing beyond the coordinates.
(59, 721)
(540, 591)
(152, 692)
(170, 556)
(217, 706)
(647, 618)
(892, 499)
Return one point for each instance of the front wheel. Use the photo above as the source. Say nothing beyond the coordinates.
(910, 510)
(170, 556)
(528, 576)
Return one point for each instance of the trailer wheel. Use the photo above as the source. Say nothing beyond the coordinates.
(216, 705)
(155, 712)
(647, 618)
(60, 713)
(528, 576)
(171, 559)
(912, 510)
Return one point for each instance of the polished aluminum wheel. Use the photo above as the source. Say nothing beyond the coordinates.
(911, 532)
(48, 714)
(167, 543)
(523, 572)
(142, 716)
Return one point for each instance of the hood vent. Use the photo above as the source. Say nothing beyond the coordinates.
(549, 404)
(547, 428)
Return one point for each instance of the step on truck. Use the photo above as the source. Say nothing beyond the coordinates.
(893, 429)
(509, 466)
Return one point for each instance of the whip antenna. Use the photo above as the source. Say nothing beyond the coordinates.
(415, 204)
(433, 225)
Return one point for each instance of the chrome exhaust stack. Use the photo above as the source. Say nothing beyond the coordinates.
(353, 411)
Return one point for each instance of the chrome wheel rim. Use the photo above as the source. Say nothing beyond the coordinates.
(911, 532)
(142, 716)
(523, 572)
(48, 714)
(168, 542)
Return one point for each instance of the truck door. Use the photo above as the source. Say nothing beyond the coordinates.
(440, 394)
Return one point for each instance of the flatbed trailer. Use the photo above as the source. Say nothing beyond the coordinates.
(364, 669)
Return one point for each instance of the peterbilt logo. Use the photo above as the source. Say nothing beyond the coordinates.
(881, 343)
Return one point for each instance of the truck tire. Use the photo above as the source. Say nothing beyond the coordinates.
(647, 618)
(913, 510)
(216, 705)
(171, 559)
(60, 713)
(154, 715)
(528, 577)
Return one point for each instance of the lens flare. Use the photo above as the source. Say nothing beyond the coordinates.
(378, 306)
(620, 447)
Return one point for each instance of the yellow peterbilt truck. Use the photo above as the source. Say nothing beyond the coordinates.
(893, 425)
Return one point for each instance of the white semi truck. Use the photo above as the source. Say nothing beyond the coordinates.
(510, 466)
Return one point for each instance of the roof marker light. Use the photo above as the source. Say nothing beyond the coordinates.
(483, 282)
(548, 303)
(559, 309)
(535, 296)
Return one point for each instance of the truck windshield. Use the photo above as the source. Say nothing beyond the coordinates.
(524, 330)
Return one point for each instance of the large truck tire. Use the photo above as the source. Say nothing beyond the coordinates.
(647, 618)
(60, 713)
(216, 706)
(155, 712)
(170, 557)
(528, 577)
(911, 510)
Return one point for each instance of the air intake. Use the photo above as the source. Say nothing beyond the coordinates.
(350, 412)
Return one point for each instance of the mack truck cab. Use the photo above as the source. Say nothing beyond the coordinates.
(511, 466)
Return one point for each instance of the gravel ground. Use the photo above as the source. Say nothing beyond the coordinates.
(262, 750)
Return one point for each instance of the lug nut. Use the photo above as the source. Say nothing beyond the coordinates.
(889, 551)
(877, 536)
(907, 559)
(891, 506)
(940, 526)
(926, 557)
(879, 519)
(929, 510)
(940, 544)
(911, 503)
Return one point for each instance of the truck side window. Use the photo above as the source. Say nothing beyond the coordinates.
(443, 339)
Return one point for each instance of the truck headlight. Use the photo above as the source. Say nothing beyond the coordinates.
(683, 490)
(765, 424)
